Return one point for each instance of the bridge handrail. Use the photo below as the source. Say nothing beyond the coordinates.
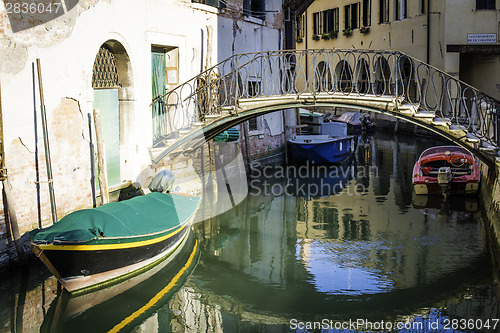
(331, 71)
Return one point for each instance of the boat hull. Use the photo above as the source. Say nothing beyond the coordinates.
(459, 167)
(127, 304)
(461, 188)
(80, 269)
(332, 151)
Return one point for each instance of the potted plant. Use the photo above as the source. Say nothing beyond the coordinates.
(333, 34)
(299, 39)
(316, 37)
(325, 36)
(347, 32)
(364, 30)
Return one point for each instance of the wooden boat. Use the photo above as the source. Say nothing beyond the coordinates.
(327, 142)
(446, 170)
(321, 149)
(91, 248)
(124, 306)
(356, 122)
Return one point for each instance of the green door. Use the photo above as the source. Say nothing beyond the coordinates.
(106, 101)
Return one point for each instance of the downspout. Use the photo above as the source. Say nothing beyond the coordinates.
(201, 51)
(428, 59)
(306, 38)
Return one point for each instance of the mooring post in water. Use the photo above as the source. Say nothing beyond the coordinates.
(92, 162)
(101, 159)
(37, 167)
(8, 198)
(48, 162)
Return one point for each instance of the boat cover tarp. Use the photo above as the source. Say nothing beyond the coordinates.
(142, 215)
(351, 117)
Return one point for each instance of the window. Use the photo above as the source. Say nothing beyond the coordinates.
(255, 8)
(213, 3)
(421, 6)
(384, 11)
(326, 21)
(300, 26)
(400, 10)
(330, 20)
(253, 124)
(253, 90)
(366, 13)
(351, 16)
(485, 4)
(317, 27)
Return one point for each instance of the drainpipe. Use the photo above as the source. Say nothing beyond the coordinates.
(201, 51)
(428, 31)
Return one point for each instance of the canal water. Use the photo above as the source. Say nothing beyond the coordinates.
(348, 249)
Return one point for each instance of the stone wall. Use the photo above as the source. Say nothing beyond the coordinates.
(490, 194)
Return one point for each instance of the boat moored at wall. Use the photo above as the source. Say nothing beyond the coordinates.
(91, 248)
(446, 170)
(326, 143)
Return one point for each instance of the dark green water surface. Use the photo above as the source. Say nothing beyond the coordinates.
(343, 250)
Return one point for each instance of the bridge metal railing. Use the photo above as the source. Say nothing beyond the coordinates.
(331, 71)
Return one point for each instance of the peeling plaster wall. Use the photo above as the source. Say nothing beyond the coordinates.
(245, 34)
(67, 47)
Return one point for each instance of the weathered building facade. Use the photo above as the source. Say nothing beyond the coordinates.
(116, 56)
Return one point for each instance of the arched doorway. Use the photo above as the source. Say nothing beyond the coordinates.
(382, 75)
(362, 76)
(323, 77)
(113, 97)
(344, 76)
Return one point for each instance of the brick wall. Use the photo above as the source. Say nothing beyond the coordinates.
(69, 149)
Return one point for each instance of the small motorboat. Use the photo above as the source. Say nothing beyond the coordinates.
(91, 248)
(446, 170)
(356, 122)
(321, 149)
(328, 142)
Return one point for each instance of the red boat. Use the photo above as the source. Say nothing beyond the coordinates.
(446, 170)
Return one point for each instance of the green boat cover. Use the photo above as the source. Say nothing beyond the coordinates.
(140, 216)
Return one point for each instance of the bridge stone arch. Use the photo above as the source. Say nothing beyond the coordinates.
(247, 85)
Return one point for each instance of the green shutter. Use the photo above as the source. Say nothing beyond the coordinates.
(158, 85)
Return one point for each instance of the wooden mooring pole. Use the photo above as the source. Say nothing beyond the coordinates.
(48, 161)
(101, 159)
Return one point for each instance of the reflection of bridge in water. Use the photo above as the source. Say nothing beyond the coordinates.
(248, 85)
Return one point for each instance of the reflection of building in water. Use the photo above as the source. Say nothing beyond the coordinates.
(192, 313)
(256, 253)
(378, 231)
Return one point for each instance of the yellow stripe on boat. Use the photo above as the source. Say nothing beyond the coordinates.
(117, 246)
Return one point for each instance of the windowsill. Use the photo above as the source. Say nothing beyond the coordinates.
(252, 19)
(205, 8)
(256, 132)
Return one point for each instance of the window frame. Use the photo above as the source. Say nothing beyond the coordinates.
(384, 6)
(352, 16)
(486, 4)
(366, 13)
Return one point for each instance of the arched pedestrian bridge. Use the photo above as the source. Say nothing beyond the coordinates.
(248, 85)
